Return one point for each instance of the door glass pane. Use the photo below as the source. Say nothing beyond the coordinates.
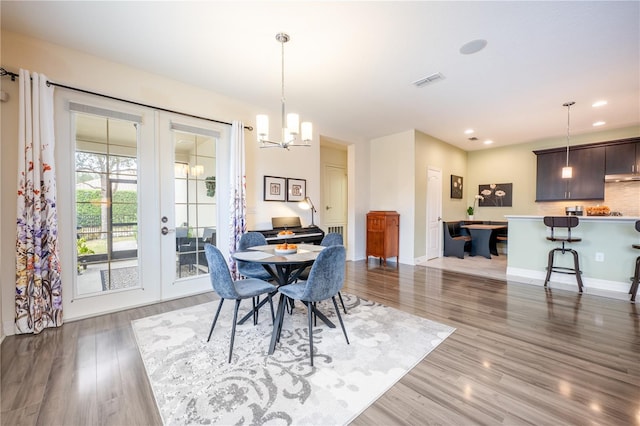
(106, 171)
(195, 201)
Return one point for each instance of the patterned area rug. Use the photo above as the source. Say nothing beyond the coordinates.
(194, 384)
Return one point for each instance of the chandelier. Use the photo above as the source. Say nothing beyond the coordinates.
(567, 172)
(291, 128)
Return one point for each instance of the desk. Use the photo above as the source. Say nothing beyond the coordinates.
(483, 239)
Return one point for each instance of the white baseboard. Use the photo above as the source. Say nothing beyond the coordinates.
(607, 288)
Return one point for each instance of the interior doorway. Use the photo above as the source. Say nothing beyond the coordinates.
(434, 212)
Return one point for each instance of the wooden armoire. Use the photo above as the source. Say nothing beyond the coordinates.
(383, 234)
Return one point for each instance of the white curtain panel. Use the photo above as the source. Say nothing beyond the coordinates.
(238, 199)
(38, 285)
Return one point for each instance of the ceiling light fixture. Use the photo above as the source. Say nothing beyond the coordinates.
(599, 104)
(567, 172)
(599, 123)
(468, 131)
(290, 127)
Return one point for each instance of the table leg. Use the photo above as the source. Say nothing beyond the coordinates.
(277, 326)
(480, 242)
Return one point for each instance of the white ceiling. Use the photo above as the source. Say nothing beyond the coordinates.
(349, 65)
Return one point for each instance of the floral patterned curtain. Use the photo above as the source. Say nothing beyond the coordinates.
(238, 199)
(38, 286)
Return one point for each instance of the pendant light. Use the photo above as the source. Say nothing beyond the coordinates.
(291, 126)
(567, 172)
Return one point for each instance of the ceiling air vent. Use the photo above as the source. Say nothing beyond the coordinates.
(473, 138)
(428, 79)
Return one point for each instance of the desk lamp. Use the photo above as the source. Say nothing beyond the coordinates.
(306, 204)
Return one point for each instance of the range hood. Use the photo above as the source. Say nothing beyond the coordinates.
(627, 177)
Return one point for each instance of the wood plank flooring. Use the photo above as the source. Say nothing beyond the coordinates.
(520, 355)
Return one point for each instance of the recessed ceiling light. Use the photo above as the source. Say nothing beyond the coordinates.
(599, 123)
(599, 104)
(488, 142)
(473, 46)
(468, 131)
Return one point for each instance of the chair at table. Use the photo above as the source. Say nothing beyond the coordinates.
(248, 269)
(636, 276)
(455, 242)
(331, 239)
(567, 222)
(238, 290)
(326, 278)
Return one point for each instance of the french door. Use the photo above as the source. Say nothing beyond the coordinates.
(138, 192)
(189, 213)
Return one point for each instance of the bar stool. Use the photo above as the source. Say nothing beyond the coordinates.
(563, 222)
(636, 276)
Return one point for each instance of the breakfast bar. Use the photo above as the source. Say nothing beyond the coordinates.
(606, 255)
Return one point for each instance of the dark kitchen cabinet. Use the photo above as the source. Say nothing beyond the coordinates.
(623, 159)
(587, 182)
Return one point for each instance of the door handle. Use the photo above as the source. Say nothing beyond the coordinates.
(327, 207)
(164, 230)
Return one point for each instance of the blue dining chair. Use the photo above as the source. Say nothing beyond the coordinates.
(238, 290)
(248, 269)
(331, 239)
(326, 278)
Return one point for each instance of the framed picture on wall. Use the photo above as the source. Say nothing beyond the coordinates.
(296, 189)
(275, 188)
(496, 195)
(456, 186)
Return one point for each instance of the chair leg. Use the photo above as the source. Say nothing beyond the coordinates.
(636, 280)
(344, 331)
(342, 302)
(549, 266)
(233, 327)
(255, 311)
(576, 266)
(273, 316)
(310, 321)
(215, 319)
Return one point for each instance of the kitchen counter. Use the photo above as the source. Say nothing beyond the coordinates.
(606, 238)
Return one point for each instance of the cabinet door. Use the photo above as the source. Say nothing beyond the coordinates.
(622, 158)
(587, 182)
(549, 183)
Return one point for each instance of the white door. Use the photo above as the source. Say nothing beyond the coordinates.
(335, 199)
(189, 190)
(107, 193)
(434, 212)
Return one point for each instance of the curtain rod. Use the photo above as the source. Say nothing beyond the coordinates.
(13, 76)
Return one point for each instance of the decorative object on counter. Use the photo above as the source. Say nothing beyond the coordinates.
(290, 127)
(274, 188)
(496, 195)
(598, 211)
(296, 189)
(456, 186)
(471, 209)
(573, 211)
(567, 172)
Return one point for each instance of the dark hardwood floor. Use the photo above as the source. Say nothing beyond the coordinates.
(520, 355)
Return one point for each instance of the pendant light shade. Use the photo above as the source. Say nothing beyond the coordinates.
(567, 172)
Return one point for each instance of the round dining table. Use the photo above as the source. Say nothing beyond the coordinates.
(285, 269)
